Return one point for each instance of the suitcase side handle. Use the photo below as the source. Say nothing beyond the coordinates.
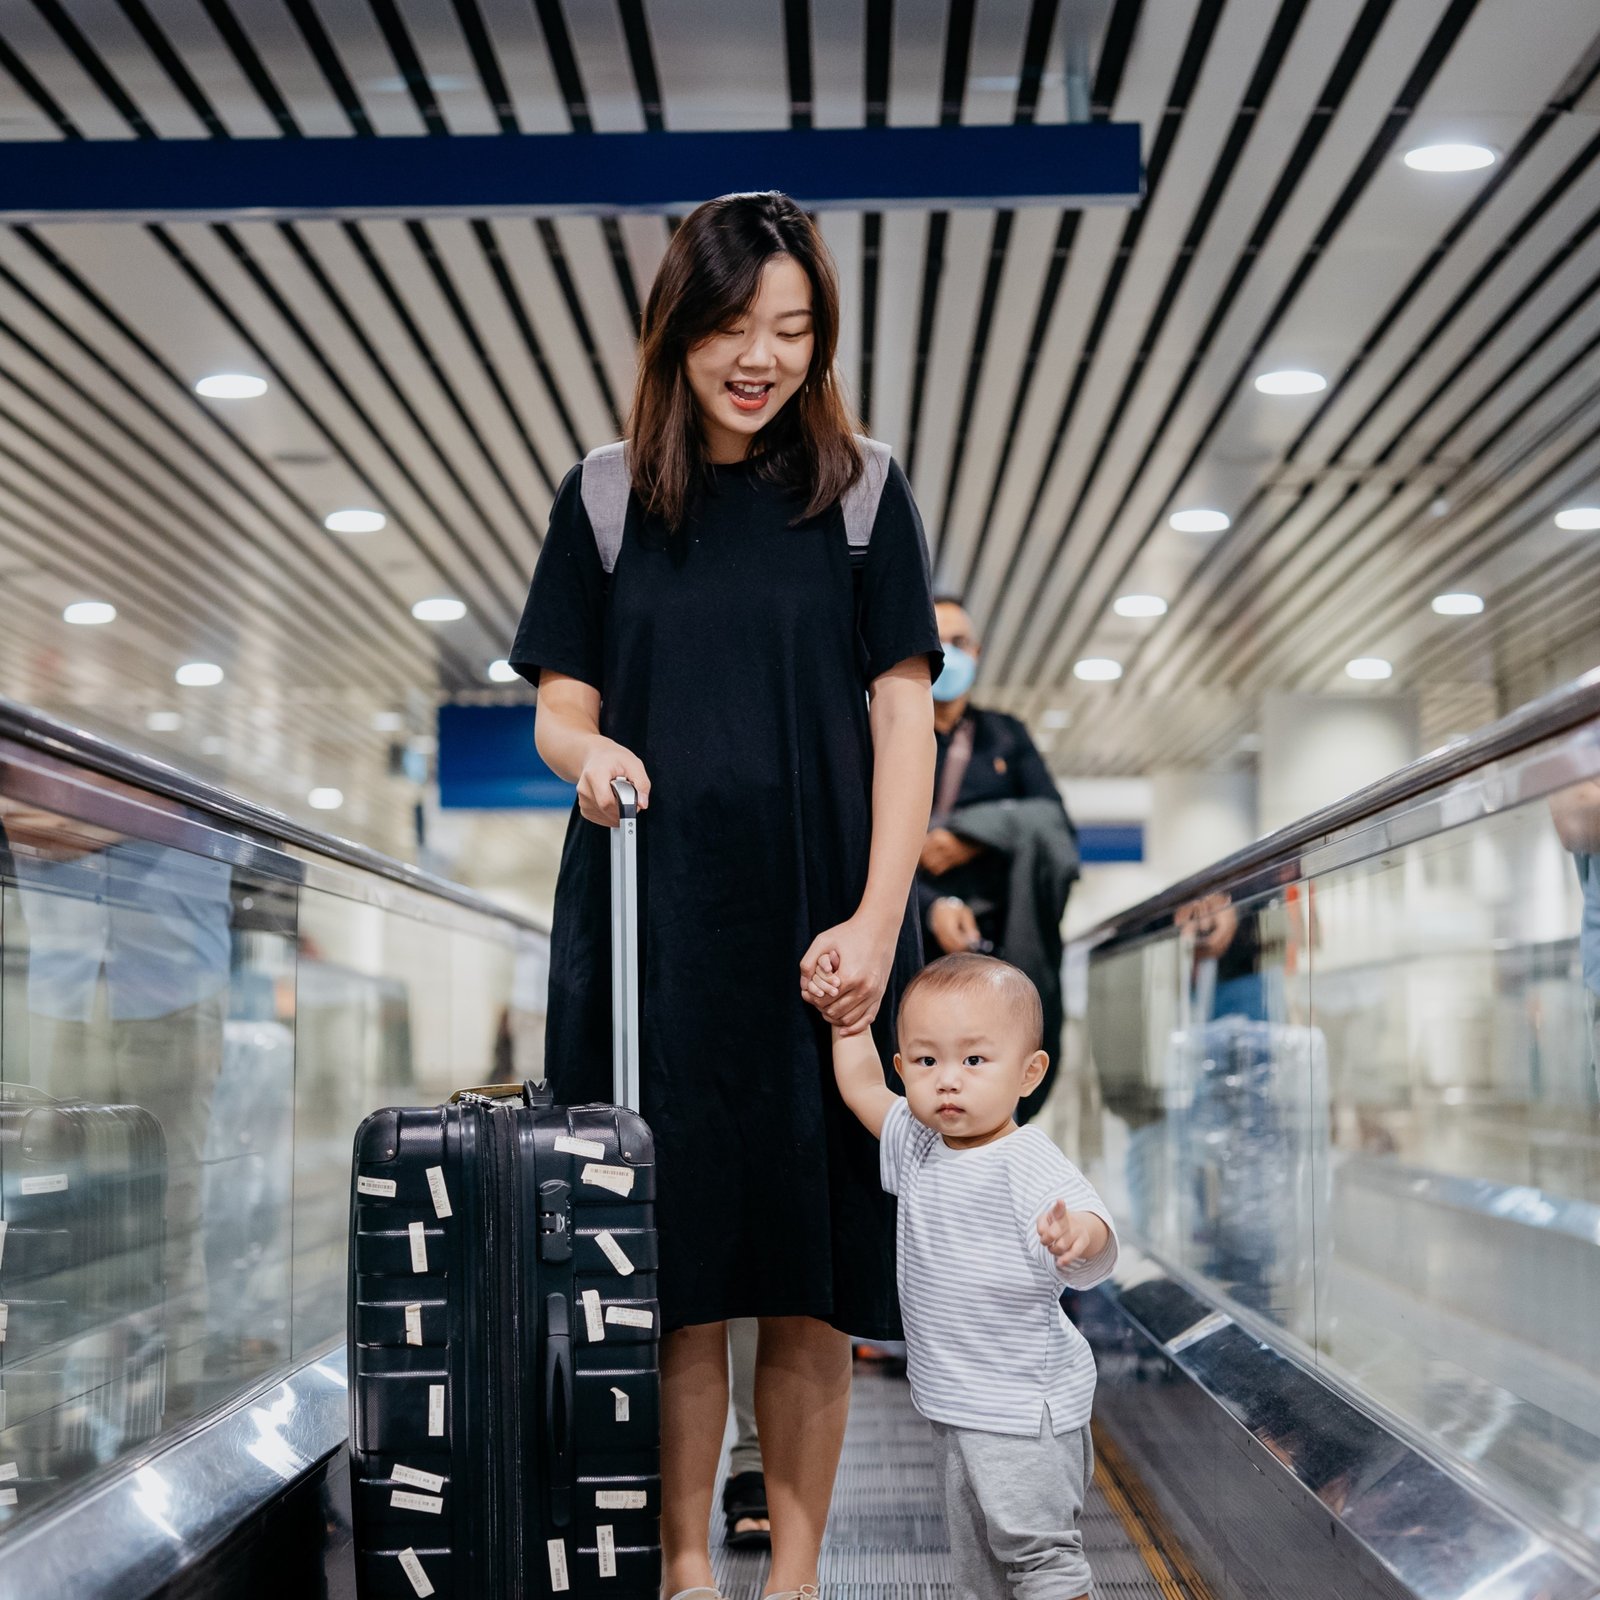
(558, 1406)
(625, 947)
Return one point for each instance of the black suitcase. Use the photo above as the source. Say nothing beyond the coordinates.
(504, 1332)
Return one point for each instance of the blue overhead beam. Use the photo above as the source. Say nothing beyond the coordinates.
(1069, 164)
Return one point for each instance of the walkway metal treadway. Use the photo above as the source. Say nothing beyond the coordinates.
(886, 1535)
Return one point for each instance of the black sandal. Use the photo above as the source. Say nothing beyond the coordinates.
(744, 1498)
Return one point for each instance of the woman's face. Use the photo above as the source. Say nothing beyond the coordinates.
(744, 375)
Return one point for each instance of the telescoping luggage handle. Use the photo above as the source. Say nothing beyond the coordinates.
(625, 946)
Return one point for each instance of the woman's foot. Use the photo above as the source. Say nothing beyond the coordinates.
(696, 1594)
(806, 1591)
(744, 1504)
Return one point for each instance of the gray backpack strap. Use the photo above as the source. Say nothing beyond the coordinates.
(860, 503)
(605, 487)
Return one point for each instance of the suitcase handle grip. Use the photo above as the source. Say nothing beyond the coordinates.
(558, 1406)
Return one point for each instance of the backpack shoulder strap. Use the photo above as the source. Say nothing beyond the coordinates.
(605, 487)
(860, 503)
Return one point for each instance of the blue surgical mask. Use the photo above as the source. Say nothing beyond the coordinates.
(960, 669)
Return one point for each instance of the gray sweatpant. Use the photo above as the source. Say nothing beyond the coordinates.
(1013, 1506)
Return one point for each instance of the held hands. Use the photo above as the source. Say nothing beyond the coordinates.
(607, 760)
(943, 850)
(952, 923)
(845, 972)
(1072, 1237)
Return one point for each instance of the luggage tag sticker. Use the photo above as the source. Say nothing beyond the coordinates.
(404, 1500)
(5, 1317)
(414, 1322)
(381, 1188)
(430, 1481)
(558, 1564)
(419, 1247)
(592, 1316)
(622, 1404)
(3, 1227)
(590, 1149)
(413, 1570)
(441, 1195)
(608, 1551)
(619, 1180)
(614, 1253)
(8, 1497)
(628, 1317)
(9, 1472)
(54, 1183)
(620, 1499)
(435, 1410)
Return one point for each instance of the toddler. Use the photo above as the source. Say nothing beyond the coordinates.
(994, 1221)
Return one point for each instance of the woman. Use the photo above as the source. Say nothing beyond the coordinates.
(773, 707)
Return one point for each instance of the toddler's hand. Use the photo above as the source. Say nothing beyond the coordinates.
(823, 984)
(1072, 1237)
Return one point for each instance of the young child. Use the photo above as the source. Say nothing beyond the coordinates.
(994, 1222)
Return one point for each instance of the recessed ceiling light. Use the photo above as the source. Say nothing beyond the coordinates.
(387, 722)
(89, 613)
(1579, 519)
(199, 674)
(1139, 605)
(1458, 605)
(1450, 158)
(503, 672)
(325, 799)
(1097, 669)
(355, 520)
(1292, 380)
(438, 609)
(1369, 669)
(231, 386)
(1198, 520)
(163, 722)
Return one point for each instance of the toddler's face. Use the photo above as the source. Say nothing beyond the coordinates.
(965, 1063)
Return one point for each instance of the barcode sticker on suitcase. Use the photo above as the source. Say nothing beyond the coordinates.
(558, 1564)
(436, 1411)
(413, 1570)
(8, 1497)
(608, 1550)
(591, 1149)
(383, 1188)
(614, 1253)
(404, 1500)
(620, 1499)
(621, 1398)
(55, 1182)
(414, 1322)
(441, 1195)
(431, 1481)
(592, 1315)
(9, 1471)
(619, 1180)
(419, 1247)
(629, 1317)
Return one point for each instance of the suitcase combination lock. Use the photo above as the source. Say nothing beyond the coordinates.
(555, 1220)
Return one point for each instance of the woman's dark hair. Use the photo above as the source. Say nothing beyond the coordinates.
(710, 275)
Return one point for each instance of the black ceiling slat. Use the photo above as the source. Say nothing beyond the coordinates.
(1428, 64)
(878, 31)
(328, 62)
(871, 258)
(879, 36)
(160, 46)
(1114, 53)
(957, 61)
(1197, 44)
(270, 292)
(623, 268)
(423, 241)
(797, 59)
(518, 312)
(357, 620)
(557, 256)
(1035, 57)
(415, 76)
(36, 92)
(564, 63)
(642, 58)
(89, 59)
(481, 45)
(252, 66)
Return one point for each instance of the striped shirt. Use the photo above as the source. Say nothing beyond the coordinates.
(987, 1343)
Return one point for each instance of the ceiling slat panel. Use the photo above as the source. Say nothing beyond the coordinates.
(602, 53)
(365, 56)
(195, 40)
(747, 87)
(524, 58)
(841, 232)
(839, 83)
(452, 75)
(916, 63)
(583, 243)
(899, 277)
(63, 76)
(108, 33)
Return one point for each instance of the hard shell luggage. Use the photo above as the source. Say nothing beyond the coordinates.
(504, 1331)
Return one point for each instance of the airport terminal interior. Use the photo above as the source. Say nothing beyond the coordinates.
(1243, 361)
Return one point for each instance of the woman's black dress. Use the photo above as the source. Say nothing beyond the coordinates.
(733, 659)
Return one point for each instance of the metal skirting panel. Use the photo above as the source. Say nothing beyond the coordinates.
(886, 1536)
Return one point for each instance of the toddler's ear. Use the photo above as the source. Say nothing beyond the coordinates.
(1033, 1073)
(899, 1071)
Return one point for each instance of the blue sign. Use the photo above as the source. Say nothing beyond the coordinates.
(1101, 842)
(487, 762)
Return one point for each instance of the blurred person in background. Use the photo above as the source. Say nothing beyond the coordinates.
(1576, 812)
(1001, 853)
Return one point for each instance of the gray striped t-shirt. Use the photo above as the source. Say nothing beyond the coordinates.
(987, 1343)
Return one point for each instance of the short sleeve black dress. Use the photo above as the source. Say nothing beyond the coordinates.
(733, 658)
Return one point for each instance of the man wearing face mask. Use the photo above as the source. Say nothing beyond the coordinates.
(1001, 852)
